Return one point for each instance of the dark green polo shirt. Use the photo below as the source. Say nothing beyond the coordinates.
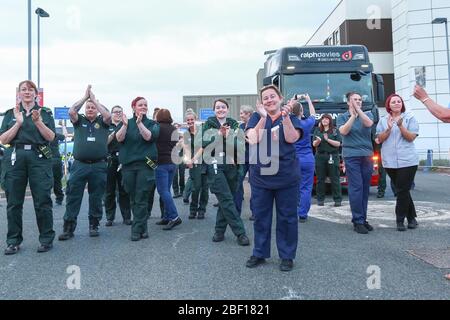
(114, 146)
(235, 141)
(90, 139)
(54, 145)
(28, 133)
(193, 141)
(134, 148)
(325, 146)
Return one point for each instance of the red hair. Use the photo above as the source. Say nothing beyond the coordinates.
(388, 103)
(135, 101)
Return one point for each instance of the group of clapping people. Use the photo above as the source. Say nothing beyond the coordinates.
(218, 154)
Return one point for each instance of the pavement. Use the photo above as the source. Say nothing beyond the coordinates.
(333, 261)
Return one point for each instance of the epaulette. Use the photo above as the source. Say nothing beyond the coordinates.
(48, 110)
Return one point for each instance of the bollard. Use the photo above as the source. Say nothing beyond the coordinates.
(429, 163)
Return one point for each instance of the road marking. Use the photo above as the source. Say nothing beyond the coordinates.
(292, 295)
(382, 213)
(181, 237)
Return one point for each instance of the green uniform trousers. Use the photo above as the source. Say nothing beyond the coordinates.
(94, 175)
(324, 170)
(223, 183)
(57, 177)
(179, 180)
(200, 191)
(188, 188)
(382, 176)
(114, 183)
(37, 170)
(138, 178)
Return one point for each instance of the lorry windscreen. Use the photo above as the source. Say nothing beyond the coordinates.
(328, 87)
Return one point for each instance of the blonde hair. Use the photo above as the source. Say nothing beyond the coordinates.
(190, 112)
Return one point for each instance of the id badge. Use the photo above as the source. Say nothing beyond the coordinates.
(91, 139)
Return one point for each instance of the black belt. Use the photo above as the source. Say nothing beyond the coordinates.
(324, 152)
(91, 161)
(24, 146)
(114, 154)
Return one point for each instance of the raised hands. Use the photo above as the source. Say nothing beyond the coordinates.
(224, 130)
(88, 92)
(261, 110)
(124, 120)
(36, 115)
(18, 115)
(139, 118)
(390, 122)
(286, 110)
(420, 93)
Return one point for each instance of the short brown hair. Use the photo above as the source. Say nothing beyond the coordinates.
(351, 94)
(273, 87)
(221, 100)
(29, 84)
(164, 116)
(297, 108)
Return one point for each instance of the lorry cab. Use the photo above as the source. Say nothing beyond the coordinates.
(327, 74)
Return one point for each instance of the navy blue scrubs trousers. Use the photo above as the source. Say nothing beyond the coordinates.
(287, 221)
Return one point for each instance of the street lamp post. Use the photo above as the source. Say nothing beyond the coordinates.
(29, 40)
(41, 13)
(445, 21)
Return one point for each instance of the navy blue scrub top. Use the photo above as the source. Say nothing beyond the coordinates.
(304, 145)
(289, 172)
(247, 157)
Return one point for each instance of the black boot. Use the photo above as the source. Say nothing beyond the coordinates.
(93, 227)
(68, 230)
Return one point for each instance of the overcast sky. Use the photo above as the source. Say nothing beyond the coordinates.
(161, 50)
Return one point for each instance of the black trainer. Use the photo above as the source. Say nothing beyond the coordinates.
(302, 219)
(127, 222)
(361, 229)
(243, 240)
(109, 223)
(368, 226)
(218, 237)
(93, 231)
(12, 249)
(401, 226)
(201, 216)
(286, 265)
(135, 237)
(68, 230)
(412, 224)
(253, 262)
(192, 215)
(172, 224)
(44, 248)
(162, 223)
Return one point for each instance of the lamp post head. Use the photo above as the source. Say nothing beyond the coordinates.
(42, 13)
(439, 20)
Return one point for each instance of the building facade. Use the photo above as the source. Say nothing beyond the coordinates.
(420, 54)
(203, 105)
(362, 22)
